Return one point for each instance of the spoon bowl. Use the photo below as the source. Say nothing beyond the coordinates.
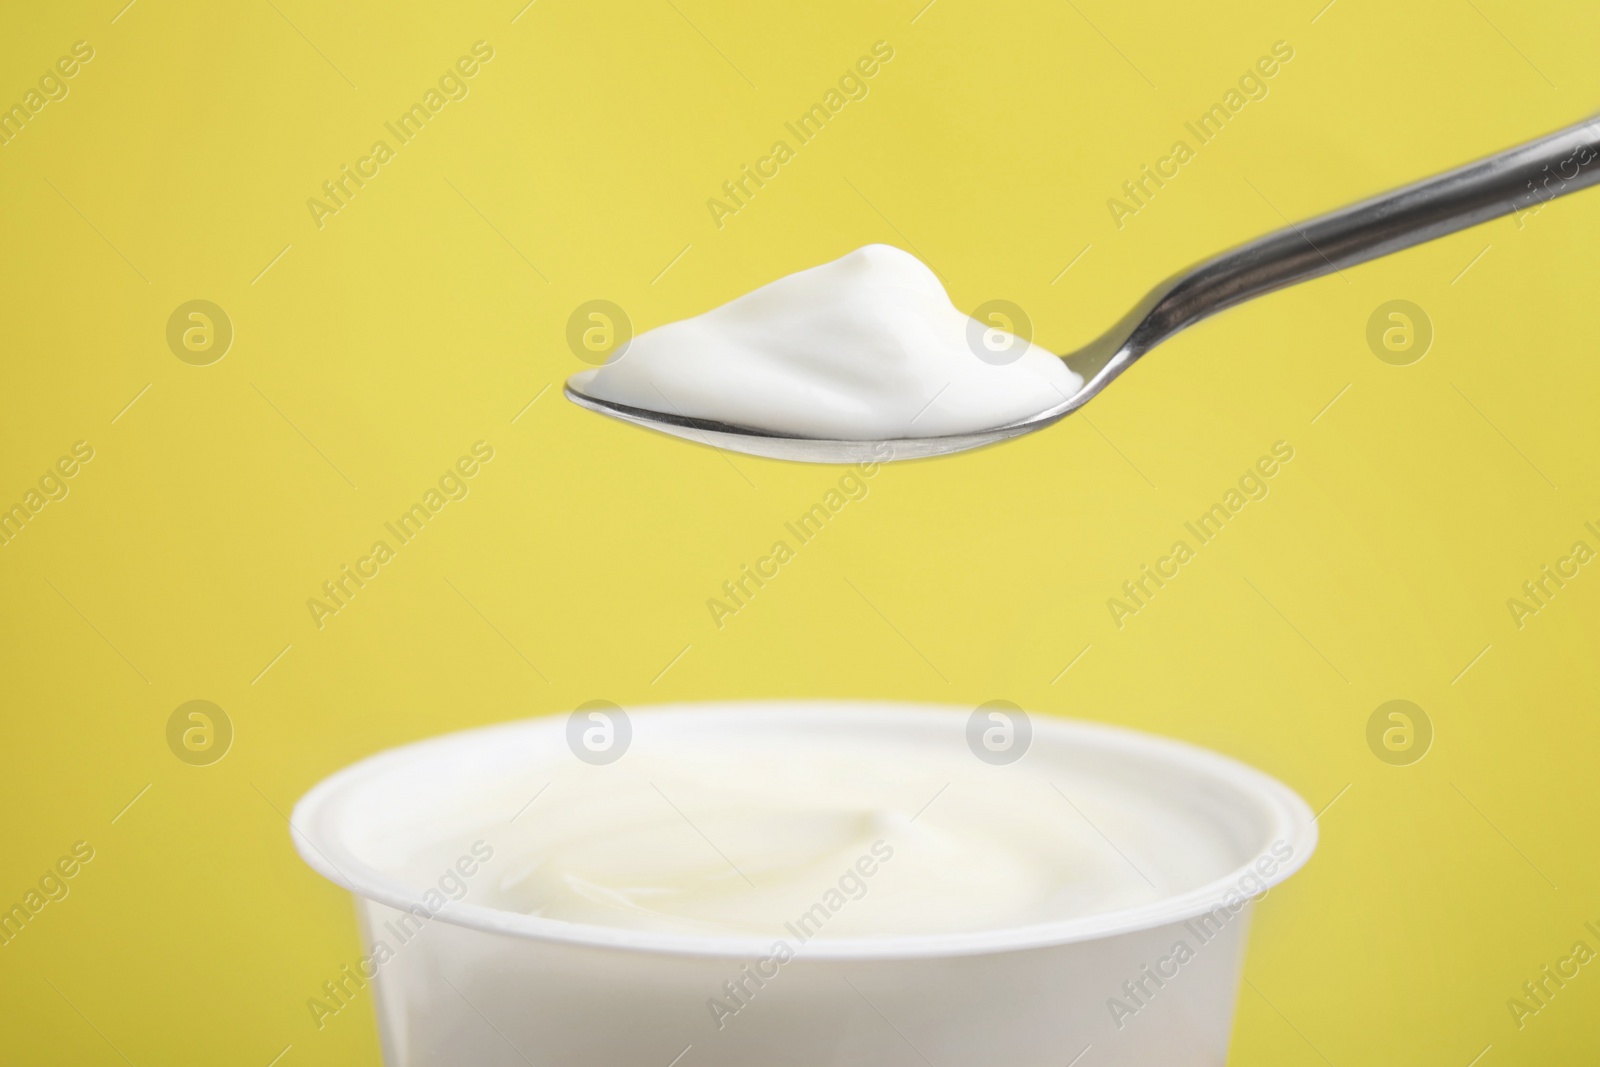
(756, 442)
(1513, 180)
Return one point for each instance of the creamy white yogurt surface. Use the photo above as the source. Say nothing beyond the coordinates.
(739, 825)
(867, 347)
(693, 842)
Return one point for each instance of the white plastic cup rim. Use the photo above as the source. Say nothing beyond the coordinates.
(314, 830)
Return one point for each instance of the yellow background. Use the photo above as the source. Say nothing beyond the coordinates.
(378, 348)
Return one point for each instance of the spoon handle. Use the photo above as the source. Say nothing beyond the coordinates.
(1514, 180)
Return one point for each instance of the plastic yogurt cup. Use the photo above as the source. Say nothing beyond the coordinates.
(800, 884)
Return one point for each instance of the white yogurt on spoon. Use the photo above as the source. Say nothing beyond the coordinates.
(867, 347)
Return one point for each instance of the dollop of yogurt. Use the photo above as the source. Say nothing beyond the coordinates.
(867, 347)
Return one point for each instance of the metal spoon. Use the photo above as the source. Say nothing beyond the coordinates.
(1513, 180)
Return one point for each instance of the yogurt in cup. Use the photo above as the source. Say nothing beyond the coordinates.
(815, 884)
